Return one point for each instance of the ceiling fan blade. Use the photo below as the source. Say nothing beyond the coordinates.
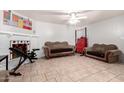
(84, 11)
(83, 17)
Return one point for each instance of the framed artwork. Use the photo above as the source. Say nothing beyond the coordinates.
(10, 18)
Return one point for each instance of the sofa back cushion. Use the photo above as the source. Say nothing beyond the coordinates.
(102, 48)
(111, 47)
(56, 44)
(99, 48)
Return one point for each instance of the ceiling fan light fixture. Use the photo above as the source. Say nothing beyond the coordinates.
(75, 21)
(73, 16)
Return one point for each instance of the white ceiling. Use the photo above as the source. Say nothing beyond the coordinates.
(61, 16)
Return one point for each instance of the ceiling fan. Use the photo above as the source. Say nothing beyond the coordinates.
(74, 19)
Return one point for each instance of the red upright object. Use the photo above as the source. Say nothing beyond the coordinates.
(81, 44)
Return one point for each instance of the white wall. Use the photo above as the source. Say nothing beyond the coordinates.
(110, 31)
(53, 32)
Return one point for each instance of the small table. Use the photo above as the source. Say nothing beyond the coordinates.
(4, 57)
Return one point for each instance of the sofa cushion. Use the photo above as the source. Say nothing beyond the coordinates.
(96, 53)
(61, 50)
(96, 47)
(56, 44)
(111, 47)
(101, 48)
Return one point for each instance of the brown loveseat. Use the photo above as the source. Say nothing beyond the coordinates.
(108, 53)
(53, 49)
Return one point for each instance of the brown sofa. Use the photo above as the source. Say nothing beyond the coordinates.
(109, 53)
(53, 49)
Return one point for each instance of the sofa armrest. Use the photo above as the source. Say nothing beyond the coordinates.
(72, 46)
(45, 47)
(46, 51)
(87, 49)
(113, 52)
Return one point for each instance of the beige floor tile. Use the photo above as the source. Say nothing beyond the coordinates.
(77, 75)
(51, 80)
(37, 79)
(116, 70)
(93, 70)
(17, 79)
(64, 78)
(87, 79)
(103, 76)
(115, 80)
(120, 77)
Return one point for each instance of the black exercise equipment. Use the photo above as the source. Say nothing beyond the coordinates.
(32, 54)
(23, 57)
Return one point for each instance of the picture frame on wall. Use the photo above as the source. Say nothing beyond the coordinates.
(12, 19)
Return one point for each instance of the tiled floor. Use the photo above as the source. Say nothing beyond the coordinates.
(70, 69)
